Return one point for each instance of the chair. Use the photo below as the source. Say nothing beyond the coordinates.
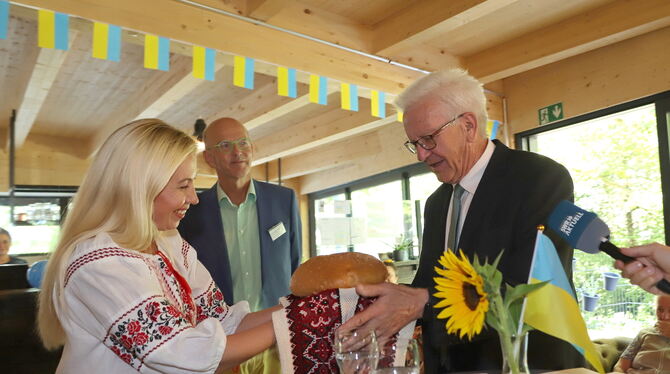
(21, 348)
(13, 276)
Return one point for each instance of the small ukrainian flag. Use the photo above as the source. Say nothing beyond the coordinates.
(53, 29)
(286, 83)
(378, 103)
(106, 41)
(243, 72)
(203, 62)
(349, 96)
(553, 308)
(318, 86)
(156, 52)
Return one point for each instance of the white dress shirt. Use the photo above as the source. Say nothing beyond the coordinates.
(469, 183)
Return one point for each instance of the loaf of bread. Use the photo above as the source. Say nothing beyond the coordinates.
(340, 270)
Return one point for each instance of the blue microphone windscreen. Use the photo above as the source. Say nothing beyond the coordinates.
(570, 222)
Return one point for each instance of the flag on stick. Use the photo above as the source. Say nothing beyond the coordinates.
(553, 308)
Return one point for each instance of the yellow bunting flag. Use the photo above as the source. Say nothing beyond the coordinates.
(106, 41)
(53, 29)
(203, 62)
(243, 72)
(378, 103)
(318, 86)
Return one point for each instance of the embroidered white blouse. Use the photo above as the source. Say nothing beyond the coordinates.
(125, 311)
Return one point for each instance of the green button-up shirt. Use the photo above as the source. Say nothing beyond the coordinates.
(240, 226)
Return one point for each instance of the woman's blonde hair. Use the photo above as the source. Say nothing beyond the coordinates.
(116, 197)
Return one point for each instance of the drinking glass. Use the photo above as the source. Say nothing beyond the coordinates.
(356, 352)
(399, 356)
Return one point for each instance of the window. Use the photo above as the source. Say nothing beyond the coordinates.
(35, 222)
(381, 210)
(613, 157)
(373, 215)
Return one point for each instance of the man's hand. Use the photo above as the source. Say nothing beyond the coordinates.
(395, 307)
(652, 264)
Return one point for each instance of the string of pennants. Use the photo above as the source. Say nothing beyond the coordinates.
(53, 32)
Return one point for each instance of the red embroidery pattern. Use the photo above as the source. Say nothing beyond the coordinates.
(178, 283)
(184, 252)
(211, 304)
(144, 328)
(312, 323)
(95, 255)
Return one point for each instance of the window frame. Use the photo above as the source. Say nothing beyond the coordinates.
(661, 101)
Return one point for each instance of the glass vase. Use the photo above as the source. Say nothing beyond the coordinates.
(514, 350)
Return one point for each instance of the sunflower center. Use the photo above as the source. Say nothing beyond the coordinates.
(471, 295)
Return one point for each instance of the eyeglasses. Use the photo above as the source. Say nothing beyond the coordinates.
(427, 142)
(243, 144)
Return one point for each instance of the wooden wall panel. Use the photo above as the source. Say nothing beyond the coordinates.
(598, 79)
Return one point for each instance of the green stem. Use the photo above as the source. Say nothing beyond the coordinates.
(508, 347)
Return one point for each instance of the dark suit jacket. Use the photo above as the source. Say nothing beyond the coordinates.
(517, 192)
(203, 229)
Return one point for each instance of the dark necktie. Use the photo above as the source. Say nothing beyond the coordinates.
(452, 240)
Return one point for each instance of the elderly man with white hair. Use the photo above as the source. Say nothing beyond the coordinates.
(491, 201)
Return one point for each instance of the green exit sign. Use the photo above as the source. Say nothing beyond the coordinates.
(550, 113)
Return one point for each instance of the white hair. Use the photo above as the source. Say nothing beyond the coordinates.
(457, 89)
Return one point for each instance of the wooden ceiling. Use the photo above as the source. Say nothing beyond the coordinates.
(80, 100)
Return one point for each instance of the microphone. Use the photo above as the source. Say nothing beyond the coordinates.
(583, 230)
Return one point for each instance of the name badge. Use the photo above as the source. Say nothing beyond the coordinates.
(277, 231)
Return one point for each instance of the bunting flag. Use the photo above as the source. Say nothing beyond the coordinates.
(492, 127)
(400, 115)
(349, 96)
(4, 18)
(378, 103)
(286, 84)
(106, 41)
(553, 308)
(203, 63)
(318, 86)
(52, 29)
(243, 72)
(156, 52)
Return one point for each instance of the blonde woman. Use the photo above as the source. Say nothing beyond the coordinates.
(123, 292)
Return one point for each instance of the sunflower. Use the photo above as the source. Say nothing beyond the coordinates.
(461, 290)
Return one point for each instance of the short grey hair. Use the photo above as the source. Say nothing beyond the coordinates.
(5, 232)
(457, 89)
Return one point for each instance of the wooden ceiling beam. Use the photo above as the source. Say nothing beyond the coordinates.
(174, 94)
(329, 156)
(259, 102)
(388, 156)
(593, 29)
(48, 65)
(427, 19)
(326, 128)
(155, 90)
(207, 28)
